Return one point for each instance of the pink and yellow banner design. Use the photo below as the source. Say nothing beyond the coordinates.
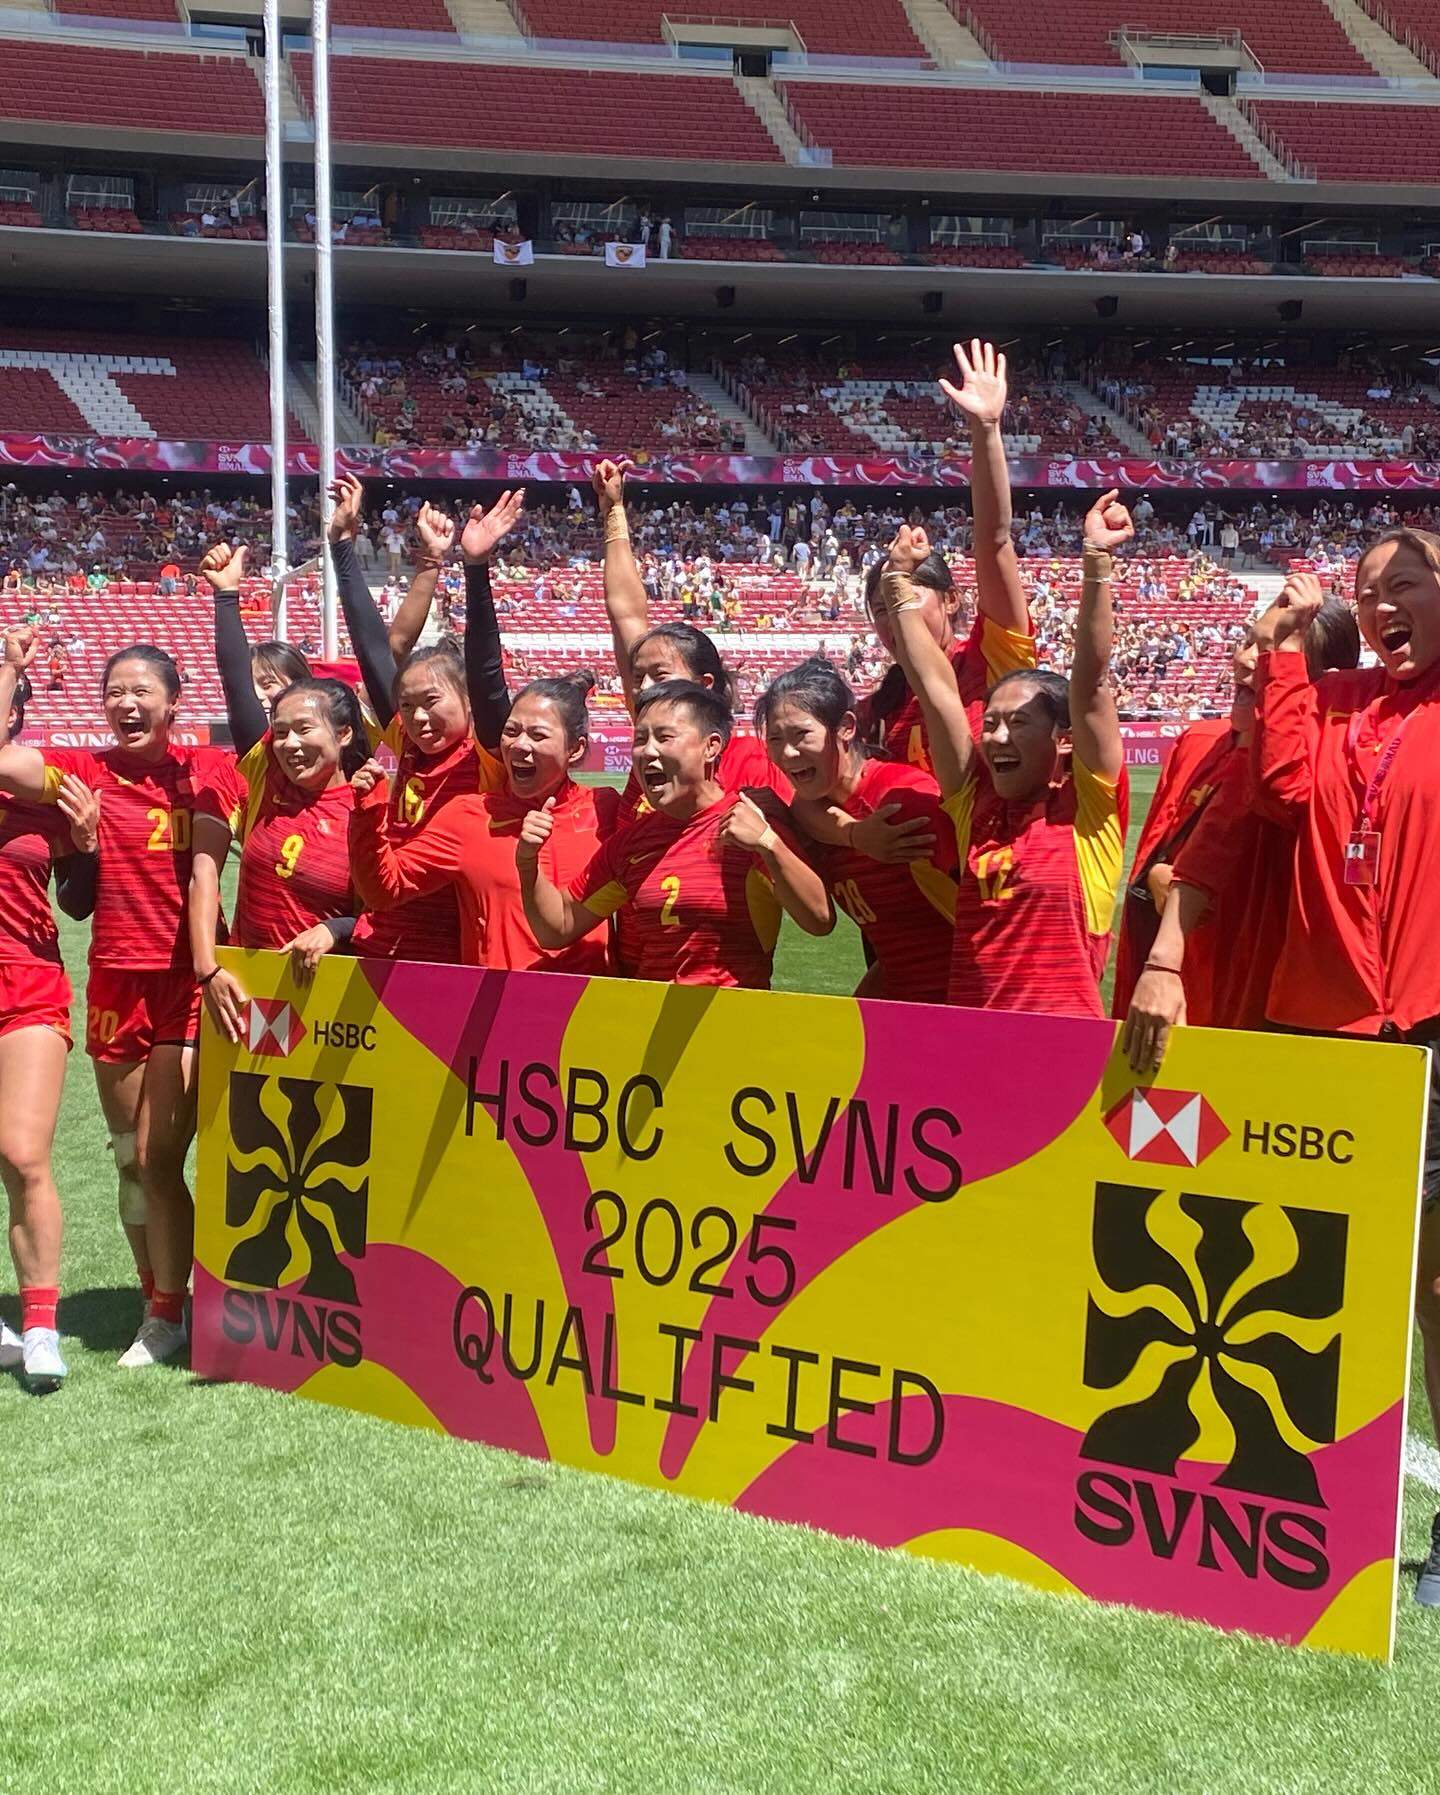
(936, 1279)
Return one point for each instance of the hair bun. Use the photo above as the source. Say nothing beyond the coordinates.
(584, 680)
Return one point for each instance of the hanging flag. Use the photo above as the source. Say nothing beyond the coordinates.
(514, 255)
(624, 255)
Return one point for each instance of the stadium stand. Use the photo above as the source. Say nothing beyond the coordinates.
(19, 212)
(393, 15)
(982, 255)
(828, 27)
(1356, 142)
(118, 220)
(1416, 23)
(116, 385)
(970, 127)
(1215, 261)
(1302, 36)
(1278, 412)
(138, 89)
(157, 12)
(730, 249)
(515, 108)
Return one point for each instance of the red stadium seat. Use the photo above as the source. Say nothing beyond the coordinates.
(1344, 142)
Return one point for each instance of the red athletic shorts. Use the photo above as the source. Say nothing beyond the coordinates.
(128, 1013)
(34, 994)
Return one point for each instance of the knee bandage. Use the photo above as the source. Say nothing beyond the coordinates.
(132, 1195)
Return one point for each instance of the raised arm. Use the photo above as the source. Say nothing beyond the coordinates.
(1287, 704)
(981, 396)
(22, 769)
(926, 666)
(368, 634)
(626, 603)
(555, 918)
(484, 656)
(1094, 721)
(436, 530)
(798, 886)
(224, 568)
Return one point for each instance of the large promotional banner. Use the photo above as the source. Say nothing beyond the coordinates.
(139, 454)
(936, 1279)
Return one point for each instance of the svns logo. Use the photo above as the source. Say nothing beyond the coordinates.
(295, 1183)
(1241, 1305)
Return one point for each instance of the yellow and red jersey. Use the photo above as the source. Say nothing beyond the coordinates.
(294, 852)
(702, 912)
(905, 911)
(427, 928)
(1035, 898)
(32, 838)
(146, 822)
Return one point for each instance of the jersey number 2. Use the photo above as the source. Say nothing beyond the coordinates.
(671, 888)
(993, 869)
(171, 831)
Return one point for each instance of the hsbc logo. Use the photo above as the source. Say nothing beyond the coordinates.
(272, 1028)
(1171, 1128)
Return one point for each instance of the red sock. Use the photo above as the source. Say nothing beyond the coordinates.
(168, 1305)
(37, 1306)
(147, 1284)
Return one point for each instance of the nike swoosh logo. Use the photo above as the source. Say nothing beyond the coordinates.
(499, 823)
(635, 859)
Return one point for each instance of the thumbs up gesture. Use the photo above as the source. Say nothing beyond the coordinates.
(535, 832)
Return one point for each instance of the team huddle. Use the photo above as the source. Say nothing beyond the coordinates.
(968, 817)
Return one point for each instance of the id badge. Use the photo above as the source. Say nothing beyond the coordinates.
(1362, 858)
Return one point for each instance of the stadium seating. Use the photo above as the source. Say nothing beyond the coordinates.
(157, 12)
(729, 249)
(518, 109)
(118, 220)
(1357, 142)
(19, 213)
(1216, 261)
(250, 229)
(116, 385)
(392, 15)
(143, 90)
(982, 255)
(1416, 22)
(1341, 416)
(1298, 35)
(452, 236)
(1361, 266)
(970, 127)
(829, 27)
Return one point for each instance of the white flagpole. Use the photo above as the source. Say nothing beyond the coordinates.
(324, 305)
(275, 293)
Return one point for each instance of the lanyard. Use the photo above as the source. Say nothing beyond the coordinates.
(1382, 766)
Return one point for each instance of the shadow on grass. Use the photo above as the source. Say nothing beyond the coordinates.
(104, 1320)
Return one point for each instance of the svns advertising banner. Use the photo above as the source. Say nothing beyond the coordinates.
(936, 1279)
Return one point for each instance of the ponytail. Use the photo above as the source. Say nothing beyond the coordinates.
(341, 707)
(567, 692)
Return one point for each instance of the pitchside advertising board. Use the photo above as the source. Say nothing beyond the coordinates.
(937, 1279)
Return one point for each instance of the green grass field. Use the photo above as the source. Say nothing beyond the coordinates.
(212, 1588)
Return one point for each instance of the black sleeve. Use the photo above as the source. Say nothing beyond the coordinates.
(76, 878)
(484, 661)
(368, 634)
(243, 706)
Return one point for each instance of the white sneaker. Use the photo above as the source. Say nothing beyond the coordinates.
(43, 1367)
(157, 1341)
(11, 1347)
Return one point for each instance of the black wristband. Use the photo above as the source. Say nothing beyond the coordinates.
(202, 983)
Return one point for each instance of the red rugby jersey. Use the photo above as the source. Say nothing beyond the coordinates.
(1188, 779)
(905, 912)
(425, 928)
(1354, 956)
(470, 845)
(985, 655)
(146, 819)
(294, 855)
(1036, 895)
(702, 914)
(32, 838)
(1243, 864)
(743, 762)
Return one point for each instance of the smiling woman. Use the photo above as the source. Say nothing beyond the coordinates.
(1350, 763)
